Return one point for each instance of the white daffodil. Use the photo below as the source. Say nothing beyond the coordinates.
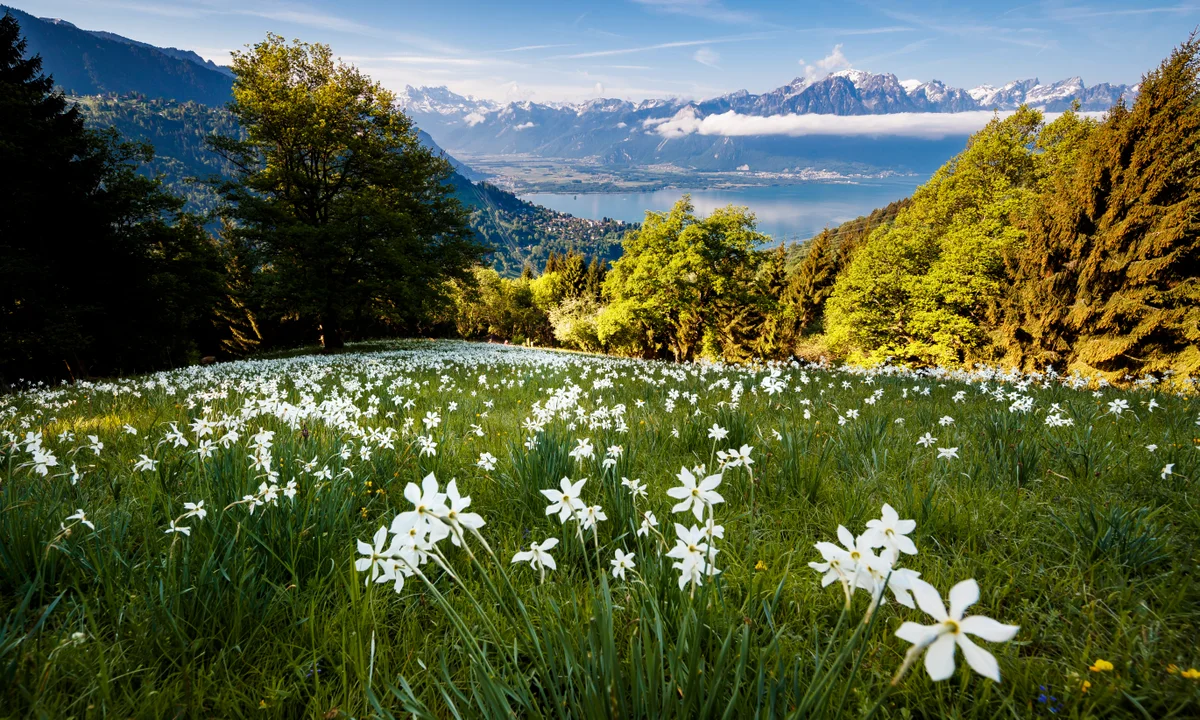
(538, 556)
(743, 455)
(487, 461)
(81, 517)
(716, 432)
(947, 453)
(455, 517)
(583, 450)
(591, 516)
(691, 554)
(195, 510)
(173, 528)
(649, 522)
(1168, 469)
(374, 557)
(926, 440)
(145, 463)
(429, 506)
(635, 487)
(566, 501)
(621, 562)
(695, 496)
(951, 630)
(892, 533)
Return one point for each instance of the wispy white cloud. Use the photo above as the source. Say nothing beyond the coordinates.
(858, 31)
(712, 10)
(659, 46)
(707, 56)
(523, 48)
(930, 126)
(423, 60)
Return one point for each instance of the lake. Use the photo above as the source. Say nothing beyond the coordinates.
(784, 212)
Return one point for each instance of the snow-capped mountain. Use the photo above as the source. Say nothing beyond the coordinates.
(621, 132)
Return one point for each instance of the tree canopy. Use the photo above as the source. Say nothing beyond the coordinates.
(347, 220)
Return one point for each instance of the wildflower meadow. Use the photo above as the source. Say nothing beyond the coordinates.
(456, 530)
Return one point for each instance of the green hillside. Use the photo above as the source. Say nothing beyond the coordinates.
(520, 232)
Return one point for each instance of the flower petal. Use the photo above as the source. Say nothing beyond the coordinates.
(915, 633)
(962, 596)
(988, 629)
(939, 658)
(928, 599)
(980, 660)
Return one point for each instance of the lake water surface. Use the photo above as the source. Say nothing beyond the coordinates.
(785, 212)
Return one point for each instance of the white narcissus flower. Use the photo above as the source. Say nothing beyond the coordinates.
(622, 562)
(591, 515)
(952, 629)
(566, 501)
(695, 496)
(926, 440)
(374, 557)
(649, 522)
(195, 510)
(429, 506)
(173, 528)
(892, 533)
(81, 516)
(455, 515)
(145, 463)
(947, 453)
(487, 461)
(716, 432)
(538, 556)
(691, 554)
(1168, 469)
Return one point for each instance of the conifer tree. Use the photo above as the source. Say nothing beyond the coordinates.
(100, 269)
(1109, 281)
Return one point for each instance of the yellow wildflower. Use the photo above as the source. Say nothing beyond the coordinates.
(1172, 669)
(760, 566)
(1101, 666)
(1086, 684)
(1191, 674)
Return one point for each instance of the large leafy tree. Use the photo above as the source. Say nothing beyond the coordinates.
(684, 284)
(101, 270)
(921, 289)
(347, 221)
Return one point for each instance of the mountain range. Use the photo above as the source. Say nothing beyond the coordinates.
(621, 132)
(608, 132)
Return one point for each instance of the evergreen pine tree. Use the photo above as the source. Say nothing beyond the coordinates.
(1109, 282)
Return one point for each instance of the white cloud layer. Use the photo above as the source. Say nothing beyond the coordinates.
(929, 126)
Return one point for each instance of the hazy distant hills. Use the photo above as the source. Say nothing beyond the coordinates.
(94, 63)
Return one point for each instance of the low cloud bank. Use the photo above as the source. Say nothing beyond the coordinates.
(930, 126)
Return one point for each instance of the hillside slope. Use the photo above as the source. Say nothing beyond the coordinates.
(87, 63)
(520, 232)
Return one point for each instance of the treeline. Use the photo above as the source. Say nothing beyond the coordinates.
(1070, 243)
(334, 222)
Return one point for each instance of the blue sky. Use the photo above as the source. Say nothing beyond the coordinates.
(555, 50)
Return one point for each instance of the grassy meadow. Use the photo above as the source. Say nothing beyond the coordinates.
(1073, 505)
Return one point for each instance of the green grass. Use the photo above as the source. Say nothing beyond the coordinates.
(1071, 532)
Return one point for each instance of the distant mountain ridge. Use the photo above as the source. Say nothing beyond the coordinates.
(622, 132)
(95, 62)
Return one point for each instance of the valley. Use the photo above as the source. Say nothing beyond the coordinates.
(527, 173)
